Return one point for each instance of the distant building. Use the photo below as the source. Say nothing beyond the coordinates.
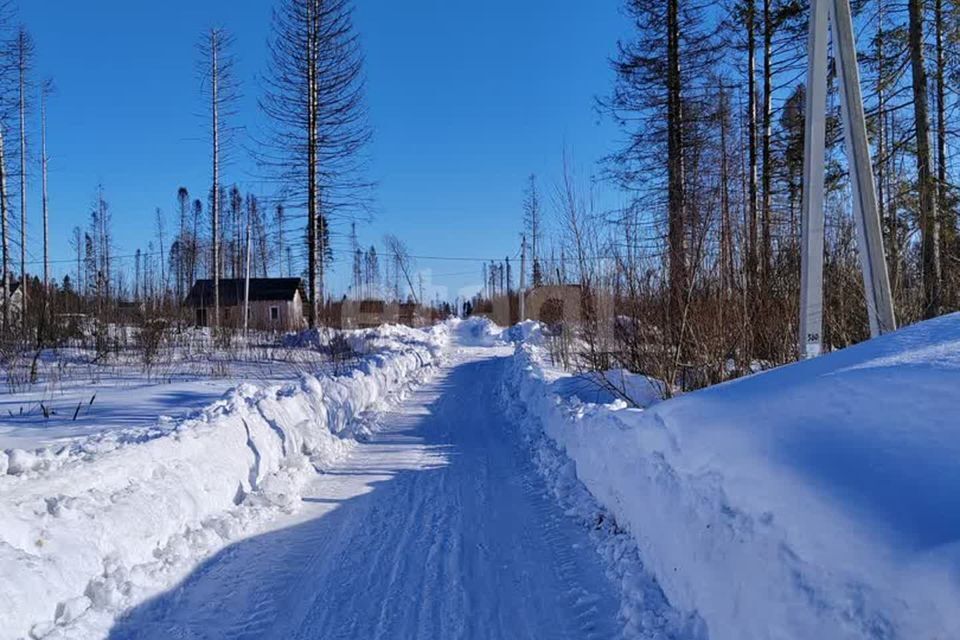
(553, 305)
(16, 301)
(276, 304)
(373, 312)
(411, 314)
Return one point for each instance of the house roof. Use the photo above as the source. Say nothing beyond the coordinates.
(231, 291)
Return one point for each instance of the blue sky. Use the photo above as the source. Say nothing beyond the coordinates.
(465, 99)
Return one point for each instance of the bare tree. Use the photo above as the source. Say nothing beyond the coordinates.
(660, 77)
(371, 271)
(318, 129)
(24, 54)
(76, 242)
(533, 222)
(766, 172)
(749, 11)
(5, 232)
(357, 262)
(402, 263)
(99, 254)
(161, 229)
(234, 226)
(45, 92)
(217, 73)
(260, 248)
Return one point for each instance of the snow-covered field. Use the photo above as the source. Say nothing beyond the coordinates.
(94, 524)
(77, 392)
(819, 500)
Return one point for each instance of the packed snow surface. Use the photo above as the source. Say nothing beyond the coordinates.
(818, 500)
(439, 526)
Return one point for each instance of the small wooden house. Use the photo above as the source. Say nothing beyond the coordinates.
(276, 304)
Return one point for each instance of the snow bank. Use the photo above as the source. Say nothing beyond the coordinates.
(476, 331)
(91, 529)
(818, 500)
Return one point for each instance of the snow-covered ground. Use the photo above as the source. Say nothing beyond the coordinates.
(92, 525)
(437, 527)
(819, 500)
(454, 485)
(77, 393)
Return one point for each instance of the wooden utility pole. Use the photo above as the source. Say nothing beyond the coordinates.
(870, 240)
(522, 293)
(246, 280)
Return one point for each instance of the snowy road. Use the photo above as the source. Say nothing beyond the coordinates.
(438, 527)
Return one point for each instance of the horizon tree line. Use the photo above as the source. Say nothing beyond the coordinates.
(311, 151)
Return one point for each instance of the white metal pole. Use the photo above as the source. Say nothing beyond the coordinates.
(876, 283)
(811, 278)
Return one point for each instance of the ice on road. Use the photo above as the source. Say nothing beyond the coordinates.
(437, 527)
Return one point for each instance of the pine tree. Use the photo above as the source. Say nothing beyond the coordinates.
(318, 128)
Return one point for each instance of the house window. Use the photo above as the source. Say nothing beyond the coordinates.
(274, 314)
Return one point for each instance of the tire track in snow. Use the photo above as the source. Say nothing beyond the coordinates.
(439, 526)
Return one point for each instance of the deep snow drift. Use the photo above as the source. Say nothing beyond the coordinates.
(91, 527)
(818, 500)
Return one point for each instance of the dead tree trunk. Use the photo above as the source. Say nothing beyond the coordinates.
(23, 54)
(751, 235)
(215, 46)
(5, 229)
(44, 161)
(675, 166)
(929, 219)
(766, 249)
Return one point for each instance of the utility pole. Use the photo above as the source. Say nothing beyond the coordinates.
(246, 283)
(870, 241)
(522, 293)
